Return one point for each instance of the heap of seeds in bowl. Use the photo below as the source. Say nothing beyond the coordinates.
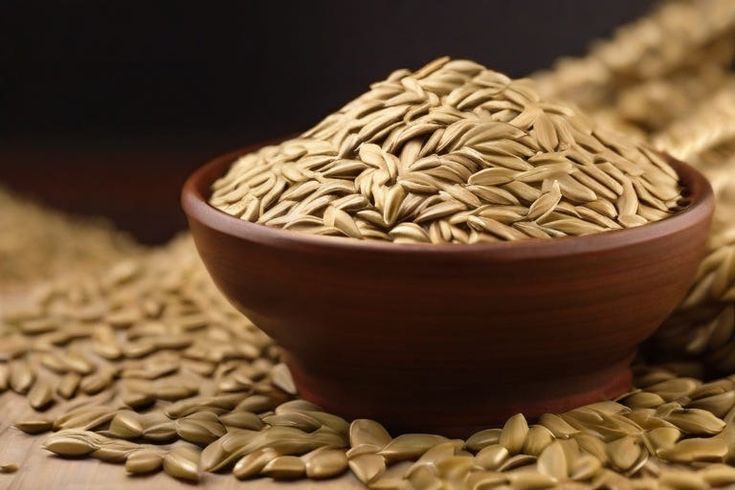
(451, 153)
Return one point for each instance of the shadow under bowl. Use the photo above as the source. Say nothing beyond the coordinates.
(453, 338)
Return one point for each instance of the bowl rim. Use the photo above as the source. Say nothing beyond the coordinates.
(196, 190)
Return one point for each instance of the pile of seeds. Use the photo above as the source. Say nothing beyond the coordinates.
(654, 70)
(38, 243)
(145, 365)
(451, 153)
(704, 324)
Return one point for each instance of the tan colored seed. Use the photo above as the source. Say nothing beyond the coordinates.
(492, 457)
(284, 468)
(252, 464)
(69, 446)
(553, 462)
(143, 461)
(514, 433)
(695, 449)
(34, 426)
(410, 446)
(325, 463)
(8, 468)
(367, 467)
(182, 463)
(368, 433)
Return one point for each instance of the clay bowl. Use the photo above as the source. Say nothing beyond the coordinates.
(452, 338)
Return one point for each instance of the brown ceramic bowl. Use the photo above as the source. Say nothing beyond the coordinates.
(451, 338)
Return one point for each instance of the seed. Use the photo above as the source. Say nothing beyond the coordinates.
(585, 467)
(41, 395)
(514, 433)
(553, 462)
(69, 446)
(537, 439)
(367, 467)
(695, 449)
(517, 461)
(409, 446)
(252, 464)
(34, 426)
(530, 480)
(241, 419)
(695, 421)
(482, 439)
(558, 426)
(68, 385)
(663, 437)
(163, 432)
(682, 480)
(369, 433)
(281, 377)
(8, 468)
(624, 452)
(325, 463)
(299, 420)
(199, 431)
(422, 477)
(718, 475)
(182, 463)
(143, 461)
(284, 468)
(492, 457)
(126, 425)
(138, 400)
(22, 377)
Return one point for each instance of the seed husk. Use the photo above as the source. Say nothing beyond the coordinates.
(369, 433)
(624, 452)
(367, 467)
(695, 421)
(242, 419)
(483, 438)
(514, 433)
(409, 446)
(68, 385)
(492, 457)
(284, 468)
(64, 445)
(695, 449)
(252, 464)
(182, 463)
(553, 462)
(142, 461)
(34, 426)
(281, 377)
(323, 463)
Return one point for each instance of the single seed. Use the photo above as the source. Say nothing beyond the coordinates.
(182, 463)
(142, 461)
(284, 468)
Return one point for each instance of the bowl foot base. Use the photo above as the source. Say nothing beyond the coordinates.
(444, 409)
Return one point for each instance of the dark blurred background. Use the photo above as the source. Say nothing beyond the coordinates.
(106, 106)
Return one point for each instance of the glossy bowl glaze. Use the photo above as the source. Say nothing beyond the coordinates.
(452, 338)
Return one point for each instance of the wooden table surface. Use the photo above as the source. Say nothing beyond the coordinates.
(40, 470)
